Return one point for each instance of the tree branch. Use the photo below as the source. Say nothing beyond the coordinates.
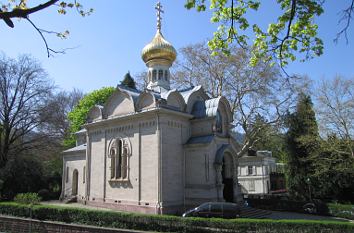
(24, 13)
(347, 17)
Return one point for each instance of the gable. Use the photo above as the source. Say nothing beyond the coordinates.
(146, 100)
(95, 114)
(120, 103)
(175, 100)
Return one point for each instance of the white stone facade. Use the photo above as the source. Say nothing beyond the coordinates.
(156, 150)
(173, 159)
(254, 172)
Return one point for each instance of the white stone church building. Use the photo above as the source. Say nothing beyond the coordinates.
(158, 150)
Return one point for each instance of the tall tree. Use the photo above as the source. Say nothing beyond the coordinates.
(23, 9)
(303, 147)
(335, 109)
(252, 91)
(271, 138)
(128, 81)
(141, 80)
(293, 33)
(24, 92)
(78, 115)
(55, 116)
(333, 172)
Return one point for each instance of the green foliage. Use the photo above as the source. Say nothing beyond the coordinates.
(164, 223)
(282, 204)
(269, 138)
(78, 115)
(342, 211)
(293, 33)
(21, 174)
(333, 172)
(128, 81)
(303, 147)
(44, 194)
(27, 198)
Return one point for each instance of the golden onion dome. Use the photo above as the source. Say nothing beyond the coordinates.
(159, 49)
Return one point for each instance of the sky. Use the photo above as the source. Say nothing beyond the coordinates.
(108, 44)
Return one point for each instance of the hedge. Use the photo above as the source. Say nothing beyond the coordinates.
(164, 223)
(275, 203)
(343, 211)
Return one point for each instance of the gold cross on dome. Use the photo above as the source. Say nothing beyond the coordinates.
(159, 11)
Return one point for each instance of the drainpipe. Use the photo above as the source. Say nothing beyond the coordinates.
(88, 166)
(105, 166)
(159, 158)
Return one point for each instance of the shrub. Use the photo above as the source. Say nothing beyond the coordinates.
(44, 194)
(27, 198)
(342, 211)
(274, 203)
(163, 223)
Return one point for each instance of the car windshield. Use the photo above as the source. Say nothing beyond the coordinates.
(204, 207)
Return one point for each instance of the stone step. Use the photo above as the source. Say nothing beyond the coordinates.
(70, 199)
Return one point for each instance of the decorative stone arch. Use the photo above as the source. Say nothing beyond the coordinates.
(226, 173)
(145, 100)
(95, 114)
(217, 108)
(119, 152)
(175, 100)
(197, 94)
(119, 103)
(224, 106)
(75, 183)
(225, 111)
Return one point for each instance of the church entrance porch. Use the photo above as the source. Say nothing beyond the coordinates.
(227, 178)
(75, 183)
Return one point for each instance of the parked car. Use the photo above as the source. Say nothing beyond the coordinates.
(316, 207)
(215, 210)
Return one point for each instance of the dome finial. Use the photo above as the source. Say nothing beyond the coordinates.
(159, 50)
(158, 14)
(159, 56)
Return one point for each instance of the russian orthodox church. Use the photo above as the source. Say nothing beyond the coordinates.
(158, 150)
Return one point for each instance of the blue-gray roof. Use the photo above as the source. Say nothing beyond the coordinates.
(133, 92)
(76, 149)
(200, 139)
(212, 106)
(82, 131)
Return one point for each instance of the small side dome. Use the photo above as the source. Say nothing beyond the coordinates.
(159, 49)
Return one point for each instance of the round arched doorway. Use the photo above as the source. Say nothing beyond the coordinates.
(75, 182)
(227, 177)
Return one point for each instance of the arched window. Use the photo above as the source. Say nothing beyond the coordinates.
(160, 74)
(166, 75)
(218, 123)
(124, 163)
(154, 75)
(119, 160)
(149, 76)
(112, 154)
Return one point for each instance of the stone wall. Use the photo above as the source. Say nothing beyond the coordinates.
(23, 225)
(73, 162)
